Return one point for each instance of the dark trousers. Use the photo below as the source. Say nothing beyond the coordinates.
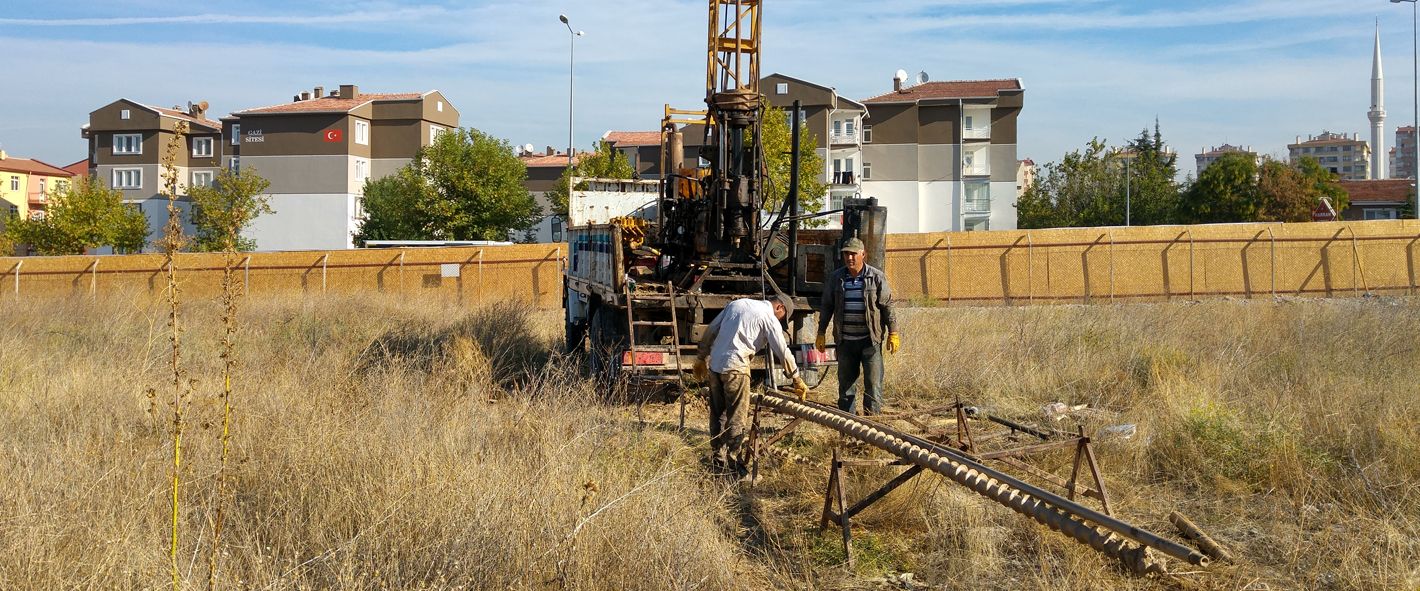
(729, 418)
(863, 358)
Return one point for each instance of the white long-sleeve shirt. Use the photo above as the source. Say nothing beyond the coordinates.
(744, 327)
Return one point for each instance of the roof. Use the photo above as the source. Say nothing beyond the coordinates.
(80, 168)
(1405, 129)
(31, 166)
(175, 114)
(330, 104)
(632, 138)
(1224, 149)
(818, 86)
(555, 160)
(1381, 191)
(954, 89)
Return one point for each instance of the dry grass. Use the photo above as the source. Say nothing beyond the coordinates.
(345, 475)
(383, 444)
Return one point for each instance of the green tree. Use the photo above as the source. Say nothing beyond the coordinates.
(1226, 191)
(603, 162)
(1080, 190)
(467, 185)
(83, 216)
(1152, 183)
(221, 211)
(777, 135)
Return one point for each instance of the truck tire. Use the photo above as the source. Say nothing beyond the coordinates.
(606, 341)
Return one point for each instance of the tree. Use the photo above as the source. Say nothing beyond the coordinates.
(221, 211)
(603, 162)
(1226, 191)
(1152, 180)
(467, 185)
(83, 216)
(1077, 191)
(777, 135)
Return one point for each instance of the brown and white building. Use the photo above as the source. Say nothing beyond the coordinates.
(1402, 156)
(318, 150)
(1206, 158)
(126, 143)
(836, 123)
(942, 155)
(544, 171)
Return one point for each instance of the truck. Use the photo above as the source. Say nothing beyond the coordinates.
(651, 263)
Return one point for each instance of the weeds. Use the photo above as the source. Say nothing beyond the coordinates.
(171, 242)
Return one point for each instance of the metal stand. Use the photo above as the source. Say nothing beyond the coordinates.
(834, 496)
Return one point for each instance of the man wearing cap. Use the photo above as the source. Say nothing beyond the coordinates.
(730, 342)
(858, 300)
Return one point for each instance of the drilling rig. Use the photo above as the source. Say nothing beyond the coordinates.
(652, 262)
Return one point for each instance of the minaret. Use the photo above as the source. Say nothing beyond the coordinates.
(1377, 113)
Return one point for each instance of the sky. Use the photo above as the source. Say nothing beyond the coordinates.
(1247, 72)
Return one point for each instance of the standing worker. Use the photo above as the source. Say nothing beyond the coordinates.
(743, 328)
(857, 298)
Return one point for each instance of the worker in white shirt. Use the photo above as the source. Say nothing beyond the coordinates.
(730, 342)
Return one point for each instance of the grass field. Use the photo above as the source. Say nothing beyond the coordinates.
(383, 444)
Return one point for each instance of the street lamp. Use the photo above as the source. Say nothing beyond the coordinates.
(1415, 64)
(571, 59)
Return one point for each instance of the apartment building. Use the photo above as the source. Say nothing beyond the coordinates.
(1206, 158)
(837, 124)
(126, 143)
(942, 155)
(318, 150)
(643, 148)
(544, 172)
(26, 184)
(1346, 156)
(1402, 156)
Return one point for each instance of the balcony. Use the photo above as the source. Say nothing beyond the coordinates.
(840, 139)
(843, 178)
(977, 205)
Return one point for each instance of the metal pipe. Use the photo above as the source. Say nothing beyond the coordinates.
(1044, 507)
(793, 197)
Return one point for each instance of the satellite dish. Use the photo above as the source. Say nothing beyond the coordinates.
(900, 76)
(527, 148)
(922, 78)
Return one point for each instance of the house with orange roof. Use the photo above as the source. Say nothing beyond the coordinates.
(319, 149)
(26, 185)
(1384, 199)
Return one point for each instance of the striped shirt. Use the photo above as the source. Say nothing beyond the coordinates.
(855, 320)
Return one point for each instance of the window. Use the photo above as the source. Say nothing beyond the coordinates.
(362, 170)
(434, 132)
(803, 116)
(236, 164)
(128, 178)
(202, 178)
(41, 186)
(867, 136)
(202, 147)
(125, 114)
(556, 229)
(236, 134)
(1346, 148)
(362, 132)
(837, 128)
(781, 88)
(968, 123)
(1381, 214)
(867, 171)
(978, 196)
(835, 201)
(439, 106)
(848, 127)
(14, 183)
(127, 143)
(60, 185)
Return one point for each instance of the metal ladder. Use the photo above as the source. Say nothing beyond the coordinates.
(631, 322)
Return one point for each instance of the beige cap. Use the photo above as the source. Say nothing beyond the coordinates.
(852, 245)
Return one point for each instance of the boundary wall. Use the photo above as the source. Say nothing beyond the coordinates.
(1081, 265)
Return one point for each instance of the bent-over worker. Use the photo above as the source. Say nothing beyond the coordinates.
(730, 342)
(857, 299)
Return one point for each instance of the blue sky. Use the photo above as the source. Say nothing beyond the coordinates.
(1251, 72)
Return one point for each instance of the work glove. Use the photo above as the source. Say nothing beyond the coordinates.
(893, 343)
(799, 388)
(700, 370)
(821, 342)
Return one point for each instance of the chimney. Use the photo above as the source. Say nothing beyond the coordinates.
(319, 92)
(550, 151)
(3, 155)
(896, 84)
(305, 96)
(295, 98)
(349, 91)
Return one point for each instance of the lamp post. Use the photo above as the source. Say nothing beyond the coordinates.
(1126, 193)
(1415, 64)
(571, 60)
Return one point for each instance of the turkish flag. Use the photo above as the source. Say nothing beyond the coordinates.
(332, 135)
